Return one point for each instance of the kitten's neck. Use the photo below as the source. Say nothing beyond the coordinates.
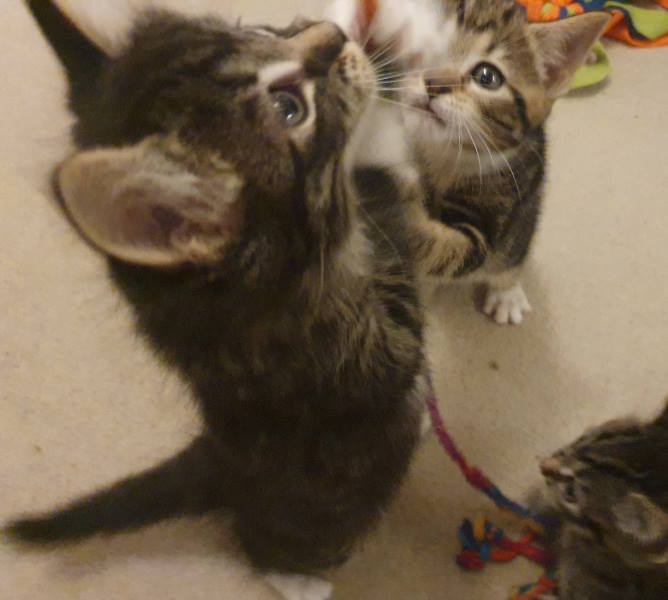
(479, 164)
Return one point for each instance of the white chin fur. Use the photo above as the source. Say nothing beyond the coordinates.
(380, 138)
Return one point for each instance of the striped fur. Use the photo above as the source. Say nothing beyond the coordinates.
(301, 333)
(480, 151)
(612, 489)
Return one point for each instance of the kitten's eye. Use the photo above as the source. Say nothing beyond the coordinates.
(569, 492)
(290, 107)
(488, 76)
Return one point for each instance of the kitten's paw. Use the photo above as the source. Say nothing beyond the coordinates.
(346, 14)
(507, 306)
(300, 587)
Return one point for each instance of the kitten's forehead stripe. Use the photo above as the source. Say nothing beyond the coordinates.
(521, 105)
(461, 11)
(482, 27)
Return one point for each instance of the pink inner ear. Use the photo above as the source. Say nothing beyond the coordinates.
(167, 219)
(563, 46)
(555, 73)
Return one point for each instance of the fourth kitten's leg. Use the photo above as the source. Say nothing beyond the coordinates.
(505, 300)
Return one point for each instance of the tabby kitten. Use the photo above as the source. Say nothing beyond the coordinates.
(611, 487)
(475, 84)
(211, 171)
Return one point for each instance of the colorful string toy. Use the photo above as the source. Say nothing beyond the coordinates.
(481, 541)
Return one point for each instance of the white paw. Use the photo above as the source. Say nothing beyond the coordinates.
(426, 427)
(345, 13)
(507, 306)
(300, 587)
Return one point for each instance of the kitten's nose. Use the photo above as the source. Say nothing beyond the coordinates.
(436, 87)
(438, 82)
(319, 46)
(550, 467)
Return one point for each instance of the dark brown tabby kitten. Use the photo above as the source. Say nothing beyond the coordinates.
(472, 84)
(611, 487)
(211, 170)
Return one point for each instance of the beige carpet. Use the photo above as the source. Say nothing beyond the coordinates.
(82, 402)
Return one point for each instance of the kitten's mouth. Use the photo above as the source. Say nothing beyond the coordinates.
(433, 114)
(430, 111)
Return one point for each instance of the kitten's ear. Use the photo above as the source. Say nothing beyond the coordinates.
(562, 46)
(143, 207)
(637, 516)
(662, 419)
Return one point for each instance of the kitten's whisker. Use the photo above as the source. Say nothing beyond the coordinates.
(475, 147)
(382, 51)
(385, 236)
(396, 103)
(390, 60)
(505, 160)
(428, 86)
(413, 71)
(401, 88)
(369, 33)
(379, 57)
(378, 51)
(423, 70)
(461, 146)
(391, 78)
(448, 85)
(482, 139)
(386, 63)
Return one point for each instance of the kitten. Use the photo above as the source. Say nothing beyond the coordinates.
(475, 84)
(212, 171)
(611, 487)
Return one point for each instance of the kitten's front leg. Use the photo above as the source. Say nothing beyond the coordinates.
(347, 15)
(505, 300)
(446, 252)
(449, 253)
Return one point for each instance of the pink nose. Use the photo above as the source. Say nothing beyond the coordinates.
(550, 467)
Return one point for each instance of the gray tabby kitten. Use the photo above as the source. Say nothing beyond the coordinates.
(611, 486)
(472, 85)
(211, 170)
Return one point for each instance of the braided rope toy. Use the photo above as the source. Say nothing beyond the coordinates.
(481, 541)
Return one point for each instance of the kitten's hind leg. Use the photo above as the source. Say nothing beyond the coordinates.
(505, 300)
(299, 587)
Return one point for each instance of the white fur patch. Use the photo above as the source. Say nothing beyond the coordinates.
(507, 306)
(279, 70)
(300, 587)
(344, 13)
(380, 138)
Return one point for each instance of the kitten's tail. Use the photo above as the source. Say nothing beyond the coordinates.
(188, 483)
(82, 59)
